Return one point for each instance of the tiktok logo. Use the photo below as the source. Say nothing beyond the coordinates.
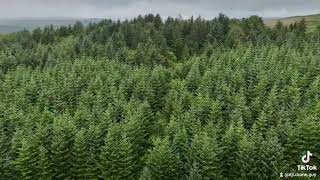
(306, 158)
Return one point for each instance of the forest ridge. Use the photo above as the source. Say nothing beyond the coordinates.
(150, 98)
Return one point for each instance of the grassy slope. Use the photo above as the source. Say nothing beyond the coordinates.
(312, 21)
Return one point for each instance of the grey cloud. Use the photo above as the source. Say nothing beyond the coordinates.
(129, 8)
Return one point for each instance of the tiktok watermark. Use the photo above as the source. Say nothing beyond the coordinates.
(305, 170)
(306, 158)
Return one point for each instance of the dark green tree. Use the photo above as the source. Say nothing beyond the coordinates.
(205, 151)
(117, 158)
(162, 162)
(230, 153)
(27, 159)
(62, 141)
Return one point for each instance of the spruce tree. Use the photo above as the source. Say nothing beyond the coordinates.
(62, 141)
(201, 108)
(137, 129)
(44, 163)
(262, 156)
(80, 157)
(270, 108)
(94, 140)
(181, 147)
(27, 159)
(193, 78)
(230, 153)
(5, 170)
(161, 162)
(205, 151)
(159, 88)
(117, 158)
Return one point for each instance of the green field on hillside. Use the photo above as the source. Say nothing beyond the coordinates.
(313, 21)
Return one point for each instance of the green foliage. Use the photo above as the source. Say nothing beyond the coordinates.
(162, 162)
(44, 165)
(116, 156)
(193, 77)
(62, 140)
(303, 137)
(230, 154)
(205, 151)
(159, 99)
(81, 157)
(27, 159)
(261, 157)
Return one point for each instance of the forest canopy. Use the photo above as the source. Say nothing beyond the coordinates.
(149, 98)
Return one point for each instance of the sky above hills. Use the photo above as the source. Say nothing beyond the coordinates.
(121, 9)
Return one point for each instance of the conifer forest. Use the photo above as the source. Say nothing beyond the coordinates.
(155, 98)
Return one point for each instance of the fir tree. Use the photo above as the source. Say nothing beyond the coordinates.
(193, 78)
(230, 153)
(205, 153)
(27, 159)
(162, 162)
(80, 157)
(116, 158)
(45, 171)
(61, 147)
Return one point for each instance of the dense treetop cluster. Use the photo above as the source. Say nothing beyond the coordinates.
(159, 99)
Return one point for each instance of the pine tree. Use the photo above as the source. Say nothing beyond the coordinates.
(61, 147)
(230, 154)
(181, 147)
(262, 156)
(27, 159)
(193, 78)
(292, 99)
(270, 108)
(80, 157)
(42, 135)
(313, 92)
(240, 111)
(215, 115)
(161, 162)
(94, 140)
(205, 153)
(117, 158)
(216, 118)
(201, 108)
(137, 128)
(16, 144)
(45, 171)
(159, 88)
(261, 124)
(178, 99)
(5, 170)
(247, 156)
(270, 157)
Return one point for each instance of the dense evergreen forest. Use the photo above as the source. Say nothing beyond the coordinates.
(159, 99)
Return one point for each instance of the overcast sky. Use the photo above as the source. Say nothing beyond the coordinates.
(120, 9)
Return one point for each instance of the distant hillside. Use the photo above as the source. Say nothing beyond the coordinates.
(312, 21)
(17, 24)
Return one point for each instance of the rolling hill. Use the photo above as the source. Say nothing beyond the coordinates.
(19, 24)
(312, 21)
